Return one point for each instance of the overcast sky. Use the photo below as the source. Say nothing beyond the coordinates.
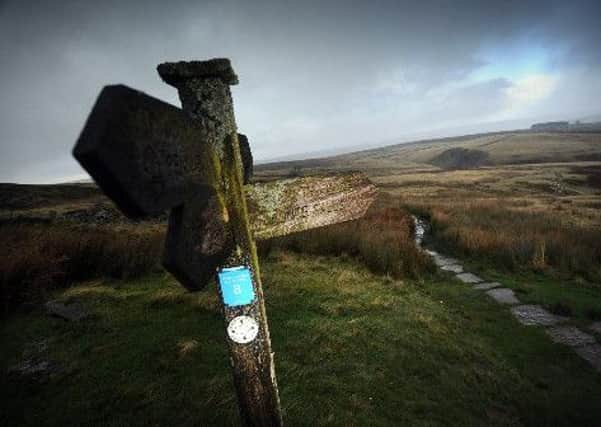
(314, 75)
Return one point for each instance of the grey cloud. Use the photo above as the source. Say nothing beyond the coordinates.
(313, 74)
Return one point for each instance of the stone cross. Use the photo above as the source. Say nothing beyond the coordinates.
(150, 157)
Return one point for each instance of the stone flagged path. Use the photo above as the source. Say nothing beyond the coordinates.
(441, 260)
(469, 278)
(585, 345)
(453, 268)
(503, 296)
(486, 286)
(595, 327)
(73, 311)
(445, 263)
(591, 353)
(570, 335)
(535, 315)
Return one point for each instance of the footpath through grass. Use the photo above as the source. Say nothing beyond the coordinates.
(560, 294)
(352, 349)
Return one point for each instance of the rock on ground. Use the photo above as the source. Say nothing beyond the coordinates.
(420, 230)
(73, 312)
(453, 268)
(468, 278)
(535, 315)
(35, 365)
(486, 286)
(592, 354)
(595, 327)
(441, 260)
(31, 368)
(503, 296)
(570, 335)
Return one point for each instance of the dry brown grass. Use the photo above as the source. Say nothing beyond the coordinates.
(35, 259)
(519, 238)
(539, 216)
(382, 240)
(39, 258)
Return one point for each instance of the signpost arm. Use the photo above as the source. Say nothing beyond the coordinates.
(203, 88)
(149, 156)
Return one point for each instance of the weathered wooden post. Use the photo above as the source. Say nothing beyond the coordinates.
(205, 95)
(149, 157)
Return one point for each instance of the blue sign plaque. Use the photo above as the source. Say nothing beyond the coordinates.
(236, 286)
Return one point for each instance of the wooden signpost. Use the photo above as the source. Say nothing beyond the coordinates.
(150, 157)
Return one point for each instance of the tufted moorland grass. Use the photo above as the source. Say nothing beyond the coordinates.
(533, 227)
(36, 259)
(516, 239)
(352, 349)
(383, 240)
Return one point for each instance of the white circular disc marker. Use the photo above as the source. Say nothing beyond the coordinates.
(242, 329)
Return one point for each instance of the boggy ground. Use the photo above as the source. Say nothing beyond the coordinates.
(352, 349)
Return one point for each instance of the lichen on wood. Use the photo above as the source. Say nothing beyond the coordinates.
(205, 96)
(296, 204)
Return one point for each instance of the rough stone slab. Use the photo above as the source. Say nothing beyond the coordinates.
(503, 296)
(595, 327)
(570, 335)
(441, 260)
(468, 278)
(30, 368)
(35, 364)
(73, 312)
(453, 268)
(420, 230)
(486, 286)
(535, 315)
(592, 354)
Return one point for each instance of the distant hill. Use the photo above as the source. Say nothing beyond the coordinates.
(590, 119)
(500, 148)
(30, 196)
(565, 126)
(461, 158)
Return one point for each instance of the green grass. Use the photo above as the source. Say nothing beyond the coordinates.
(560, 293)
(352, 349)
(36, 259)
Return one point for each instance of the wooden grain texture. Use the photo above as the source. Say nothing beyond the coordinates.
(296, 204)
(207, 100)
